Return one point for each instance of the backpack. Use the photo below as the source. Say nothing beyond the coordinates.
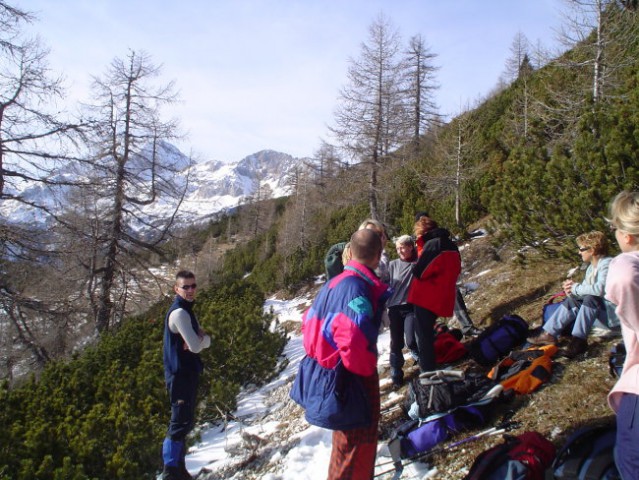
(616, 358)
(525, 371)
(442, 390)
(413, 438)
(333, 260)
(551, 306)
(498, 340)
(448, 348)
(587, 455)
(524, 457)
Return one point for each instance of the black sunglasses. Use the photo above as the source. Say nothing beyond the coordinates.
(583, 249)
(188, 287)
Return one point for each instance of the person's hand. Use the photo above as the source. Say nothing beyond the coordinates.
(567, 286)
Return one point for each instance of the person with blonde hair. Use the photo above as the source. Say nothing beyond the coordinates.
(585, 302)
(339, 254)
(622, 289)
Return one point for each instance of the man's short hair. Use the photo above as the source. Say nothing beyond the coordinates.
(366, 245)
(405, 240)
(184, 274)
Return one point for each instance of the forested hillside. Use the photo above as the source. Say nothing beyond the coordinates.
(543, 157)
(540, 158)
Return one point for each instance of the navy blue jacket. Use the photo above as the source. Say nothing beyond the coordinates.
(176, 357)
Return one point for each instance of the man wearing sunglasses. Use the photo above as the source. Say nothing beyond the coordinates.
(183, 340)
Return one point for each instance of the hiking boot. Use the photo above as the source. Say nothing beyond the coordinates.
(176, 473)
(577, 346)
(171, 473)
(184, 472)
(544, 338)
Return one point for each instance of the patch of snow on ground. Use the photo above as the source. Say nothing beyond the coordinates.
(310, 449)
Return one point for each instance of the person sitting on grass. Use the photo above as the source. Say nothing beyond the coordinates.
(585, 302)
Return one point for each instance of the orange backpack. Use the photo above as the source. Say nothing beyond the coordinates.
(526, 370)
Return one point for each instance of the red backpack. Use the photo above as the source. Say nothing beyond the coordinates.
(448, 348)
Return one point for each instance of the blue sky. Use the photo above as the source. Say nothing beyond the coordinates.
(256, 75)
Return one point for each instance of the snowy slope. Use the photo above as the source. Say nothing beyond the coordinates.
(269, 425)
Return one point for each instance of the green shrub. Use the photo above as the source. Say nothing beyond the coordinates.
(104, 413)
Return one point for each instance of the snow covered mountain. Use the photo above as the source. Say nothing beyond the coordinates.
(213, 186)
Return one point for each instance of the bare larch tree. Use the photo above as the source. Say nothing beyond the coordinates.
(370, 119)
(130, 173)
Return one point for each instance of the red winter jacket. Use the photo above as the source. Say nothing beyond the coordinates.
(435, 274)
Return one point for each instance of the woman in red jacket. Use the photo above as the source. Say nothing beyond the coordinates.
(432, 290)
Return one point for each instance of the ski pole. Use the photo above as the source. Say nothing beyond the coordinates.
(468, 439)
(390, 408)
(504, 427)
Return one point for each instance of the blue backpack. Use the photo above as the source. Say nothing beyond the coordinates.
(412, 438)
(499, 340)
(587, 455)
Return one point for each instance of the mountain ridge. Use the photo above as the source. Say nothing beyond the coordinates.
(213, 186)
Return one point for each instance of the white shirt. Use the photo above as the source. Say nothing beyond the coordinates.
(180, 322)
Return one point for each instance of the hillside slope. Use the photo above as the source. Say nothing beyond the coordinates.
(504, 284)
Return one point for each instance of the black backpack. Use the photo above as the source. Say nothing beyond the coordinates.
(498, 340)
(442, 390)
(587, 455)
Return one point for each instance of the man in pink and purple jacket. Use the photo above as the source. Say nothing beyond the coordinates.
(340, 335)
